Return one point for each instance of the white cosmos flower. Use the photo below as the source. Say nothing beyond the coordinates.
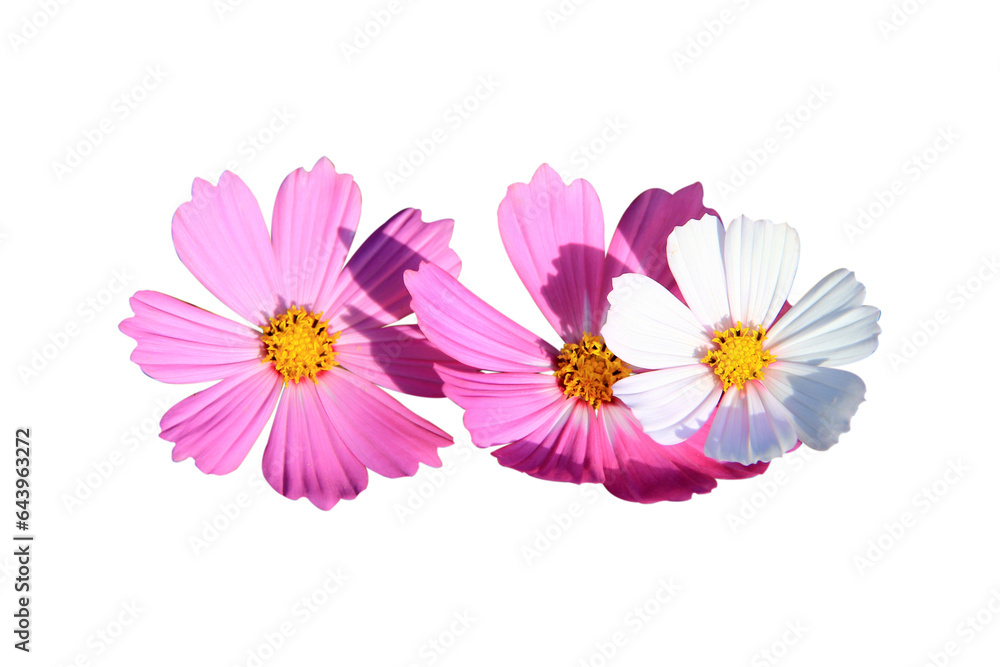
(773, 377)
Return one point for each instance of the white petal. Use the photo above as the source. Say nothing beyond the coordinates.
(750, 426)
(820, 401)
(672, 403)
(649, 327)
(842, 338)
(828, 325)
(761, 259)
(694, 253)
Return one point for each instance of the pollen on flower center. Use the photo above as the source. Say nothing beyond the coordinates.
(298, 344)
(740, 355)
(588, 369)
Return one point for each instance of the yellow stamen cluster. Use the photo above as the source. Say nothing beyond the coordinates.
(588, 369)
(298, 344)
(740, 356)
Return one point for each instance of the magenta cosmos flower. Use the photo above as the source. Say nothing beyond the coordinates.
(554, 410)
(319, 343)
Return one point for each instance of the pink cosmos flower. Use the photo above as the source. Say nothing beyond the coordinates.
(319, 343)
(554, 411)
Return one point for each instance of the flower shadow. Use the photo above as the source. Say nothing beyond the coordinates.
(572, 294)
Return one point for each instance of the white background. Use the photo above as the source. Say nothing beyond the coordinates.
(818, 543)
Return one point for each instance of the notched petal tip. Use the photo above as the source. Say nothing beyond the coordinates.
(325, 163)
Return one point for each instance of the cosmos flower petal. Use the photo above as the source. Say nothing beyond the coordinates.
(178, 342)
(819, 401)
(672, 404)
(761, 260)
(503, 407)
(369, 292)
(389, 439)
(657, 461)
(306, 456)
(750, 426)
(573, 449)
(315, 216)
(220, 236)
(395, 357)
(694, 253)
(843, 337)
(648, 327)
(647, 472)
(469, 330)
(218, 426)
(728, 438)
(828, 325)
(639, 244)
(554, 236)
(691, 452)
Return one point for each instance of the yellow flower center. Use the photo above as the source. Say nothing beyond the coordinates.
(740, 355)
(298, 344)
(588, 369)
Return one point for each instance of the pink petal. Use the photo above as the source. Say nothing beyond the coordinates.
(221, 237)
(554, 236)
(648, 472)
(573, 449)
(178, 342)
(370, 292)
(466, 328)
(381, 432)
(219, 425)
(503, 407)
(315, 216)
(395, 357)
(306, 456)
(639, 244)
